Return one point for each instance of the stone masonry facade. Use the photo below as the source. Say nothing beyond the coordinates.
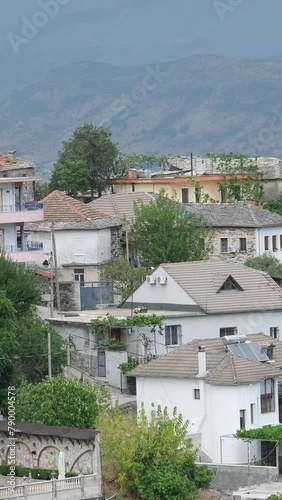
(43, 451)
(233, 236)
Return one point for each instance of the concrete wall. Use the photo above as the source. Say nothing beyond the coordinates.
(10, 234)
(233, 477)
(215, 414)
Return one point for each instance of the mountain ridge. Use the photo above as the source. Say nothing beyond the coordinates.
(200, 104)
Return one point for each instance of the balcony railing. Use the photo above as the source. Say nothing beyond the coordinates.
(16, 207)
(26, 247)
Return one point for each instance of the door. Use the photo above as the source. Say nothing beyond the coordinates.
(268, 453)
(101, 363)
(92, 295)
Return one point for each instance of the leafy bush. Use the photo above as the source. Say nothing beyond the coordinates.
(150, 460)
(58, 401)
(36, 472)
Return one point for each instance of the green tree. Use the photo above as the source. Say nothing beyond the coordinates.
(42, 190)
(242, 178)
(18, 285)
(274, 205)
(70, 177)
(59, 401)
(87, 161)
(124, 277)
(267, 263)
(165, 231)
(152, 460)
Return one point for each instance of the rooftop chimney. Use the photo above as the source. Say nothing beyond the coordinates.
(132, 173)
(202, 363)
(12, 156)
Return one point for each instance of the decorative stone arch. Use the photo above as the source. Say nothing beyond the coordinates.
(23, 455)
(48, 457)
(83, 463)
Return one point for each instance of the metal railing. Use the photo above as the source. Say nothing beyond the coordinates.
(17, 207)
(26, 247)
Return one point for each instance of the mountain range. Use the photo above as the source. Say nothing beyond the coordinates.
(199, 104)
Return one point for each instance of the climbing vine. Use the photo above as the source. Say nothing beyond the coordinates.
(102, 325)
(267, 432)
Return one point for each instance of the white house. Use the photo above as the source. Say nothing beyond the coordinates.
(241, 230)
(218, 391)
(15, 213)
(83, 237)
(208, 298)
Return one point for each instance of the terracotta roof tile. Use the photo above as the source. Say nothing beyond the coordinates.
(224, 368)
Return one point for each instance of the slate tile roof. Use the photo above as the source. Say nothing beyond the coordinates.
(235, 215)
(68, 213)
(121, 205)
(202, 281)
(50, 430)
(224, 368)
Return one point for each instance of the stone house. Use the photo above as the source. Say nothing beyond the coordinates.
(241, 230)
(11, 166)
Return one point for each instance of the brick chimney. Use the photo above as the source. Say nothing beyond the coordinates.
(202, 362)
(12, 156)
(132, 173)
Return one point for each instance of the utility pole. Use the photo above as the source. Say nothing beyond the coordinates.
(49, 355)
(54, 251)
(52, 286)
(126, 241)
(68, 355)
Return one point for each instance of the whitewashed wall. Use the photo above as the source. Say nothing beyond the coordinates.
(216, 414)
(270, 231)
(10, 234)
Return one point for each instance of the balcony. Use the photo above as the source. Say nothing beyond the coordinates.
(31, 251)
(30, 211)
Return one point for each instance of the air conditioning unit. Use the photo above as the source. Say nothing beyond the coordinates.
(151, 280)
(162, 280)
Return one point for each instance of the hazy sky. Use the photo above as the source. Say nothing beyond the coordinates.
(131, 32)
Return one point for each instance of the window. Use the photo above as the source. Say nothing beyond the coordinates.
(79, 275)
(252, 408)
(185, 195)
(274, 244)
(222, 195)
(230, 284)
(266, 246)
(223, 245)
(281, 241)
(243, 244)
(198, 195)
(267, 397)
(242, 419)
(224, 332)
(172, 335)
(274, 332)
(196, 393)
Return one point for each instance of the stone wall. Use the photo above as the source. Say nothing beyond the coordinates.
(25, 169)
(233, 477)
(233, 235)
(70, 296)
(43, 451)
(116, 248)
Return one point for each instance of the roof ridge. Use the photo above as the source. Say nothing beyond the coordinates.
(113, 204)
(232, 365)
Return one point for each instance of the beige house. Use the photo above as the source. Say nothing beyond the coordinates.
(241, 230)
